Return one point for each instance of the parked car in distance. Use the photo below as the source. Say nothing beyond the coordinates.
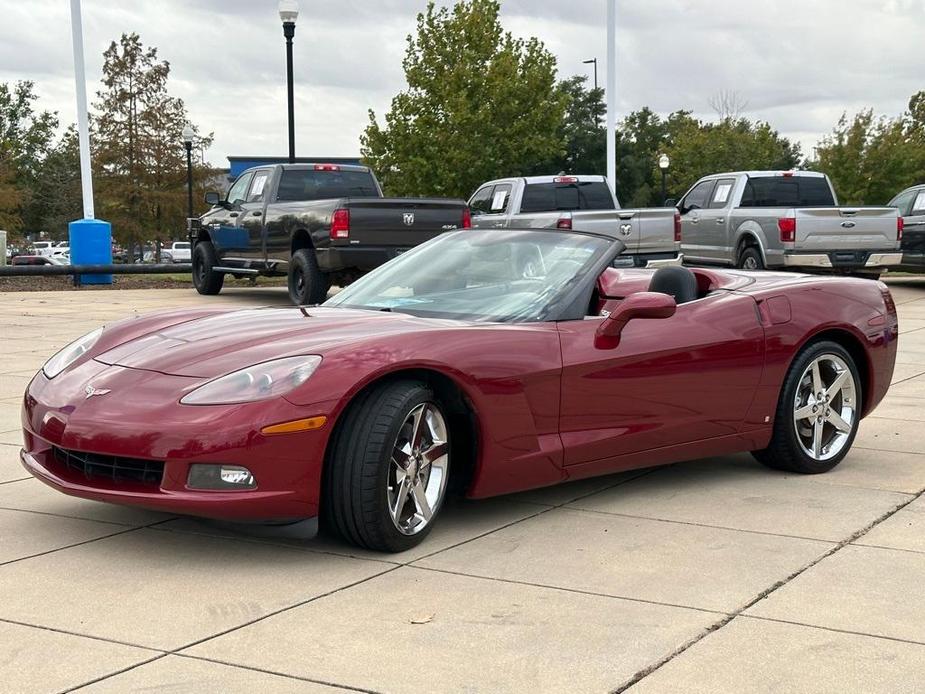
(317, 223)
(166, 257)
(42, 247)
(911, 206)
(449, 367)
(584, 203)
(39, 260)
(785, 220)
(179, 252)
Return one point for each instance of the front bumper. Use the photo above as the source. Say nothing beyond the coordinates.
(844, 260)
(151, 426)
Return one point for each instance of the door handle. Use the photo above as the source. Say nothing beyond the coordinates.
(499, 225)
(721, 220)
(695, 220)
(256, 213)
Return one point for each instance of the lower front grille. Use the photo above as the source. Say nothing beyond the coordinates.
(110, 467)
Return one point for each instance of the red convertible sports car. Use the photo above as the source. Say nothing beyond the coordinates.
(487, 361)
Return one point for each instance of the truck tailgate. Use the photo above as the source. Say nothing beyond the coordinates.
(623, 224)
(848, 228)
(401, 221)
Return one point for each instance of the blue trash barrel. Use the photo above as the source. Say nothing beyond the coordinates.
(91, 244)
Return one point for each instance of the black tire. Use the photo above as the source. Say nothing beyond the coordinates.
(356, 488)
(750, 259)
(205, 279)
(785, 451)
(307, 283)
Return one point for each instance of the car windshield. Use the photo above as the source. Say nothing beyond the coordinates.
(481, 275)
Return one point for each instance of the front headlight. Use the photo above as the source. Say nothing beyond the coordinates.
(259, 382)
(71, 353)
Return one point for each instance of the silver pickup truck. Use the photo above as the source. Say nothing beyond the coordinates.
(652, 236)
(787, 220)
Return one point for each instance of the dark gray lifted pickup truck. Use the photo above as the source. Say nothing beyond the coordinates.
(320, 224)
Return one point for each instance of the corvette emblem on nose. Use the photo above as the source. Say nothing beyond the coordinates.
(91, 391)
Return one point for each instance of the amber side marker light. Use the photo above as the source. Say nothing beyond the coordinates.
(295, 425)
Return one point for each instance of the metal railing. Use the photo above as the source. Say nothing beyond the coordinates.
(76, 270)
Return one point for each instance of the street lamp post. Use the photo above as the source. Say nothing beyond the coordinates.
(188, 135)
(663, 163)
(288, 12)
(589, 62)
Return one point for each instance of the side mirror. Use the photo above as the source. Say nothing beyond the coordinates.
(671, 202)
(213, 198)
(641, 305)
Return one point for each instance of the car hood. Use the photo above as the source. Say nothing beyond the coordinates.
(221, 343)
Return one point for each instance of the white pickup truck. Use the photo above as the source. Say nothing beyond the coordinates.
(586, 203)
(180, 252)
(786, 220)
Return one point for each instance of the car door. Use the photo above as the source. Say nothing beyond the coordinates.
(693, 234)
(668, 382)
(221, 220)
(914, 232)
(251, 218)
(712, 227)
(488, 210)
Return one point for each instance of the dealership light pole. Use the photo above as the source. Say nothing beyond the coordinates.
(188, 135)
(663, 163)
(612, 93)
(289, 12)
(589, 62)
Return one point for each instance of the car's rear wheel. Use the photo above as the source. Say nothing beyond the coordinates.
(386, 476)
(750, 259)
(205, 279)
(818, 413)
(307, 283)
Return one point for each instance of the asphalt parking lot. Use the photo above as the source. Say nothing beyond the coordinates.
(715, 575)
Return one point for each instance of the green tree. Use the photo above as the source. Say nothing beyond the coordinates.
(139, 154)
(870, 159)
(25, 137)
(697, 148)
(582, 131)
(479, 104)
(56, 194)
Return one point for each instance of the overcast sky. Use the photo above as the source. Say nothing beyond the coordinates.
(798, 64)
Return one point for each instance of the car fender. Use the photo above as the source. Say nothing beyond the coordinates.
(750, 229)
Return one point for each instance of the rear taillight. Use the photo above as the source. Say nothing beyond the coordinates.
(565, 222)
(467, 218)
(887, 299)
(677, 227)
(788, 229)
(900, 225)
(340, 224)
(565, 179)
(327, 167)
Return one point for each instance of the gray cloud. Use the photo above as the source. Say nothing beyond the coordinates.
(799, 64)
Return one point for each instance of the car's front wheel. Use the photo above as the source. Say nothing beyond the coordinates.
(386, 476)
(205, 278)
(818, 413)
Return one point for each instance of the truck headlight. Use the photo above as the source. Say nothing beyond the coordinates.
(71, 353)
(259, 382)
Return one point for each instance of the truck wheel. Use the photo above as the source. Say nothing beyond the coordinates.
(818, 413)
(750, 259)
(205, 279)
(307, 283)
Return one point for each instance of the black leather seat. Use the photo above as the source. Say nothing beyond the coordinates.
(678, 282)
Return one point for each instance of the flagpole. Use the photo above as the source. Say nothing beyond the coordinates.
(83, 121)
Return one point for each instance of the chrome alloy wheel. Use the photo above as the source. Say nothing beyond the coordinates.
(825, 407)
(419, 469)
